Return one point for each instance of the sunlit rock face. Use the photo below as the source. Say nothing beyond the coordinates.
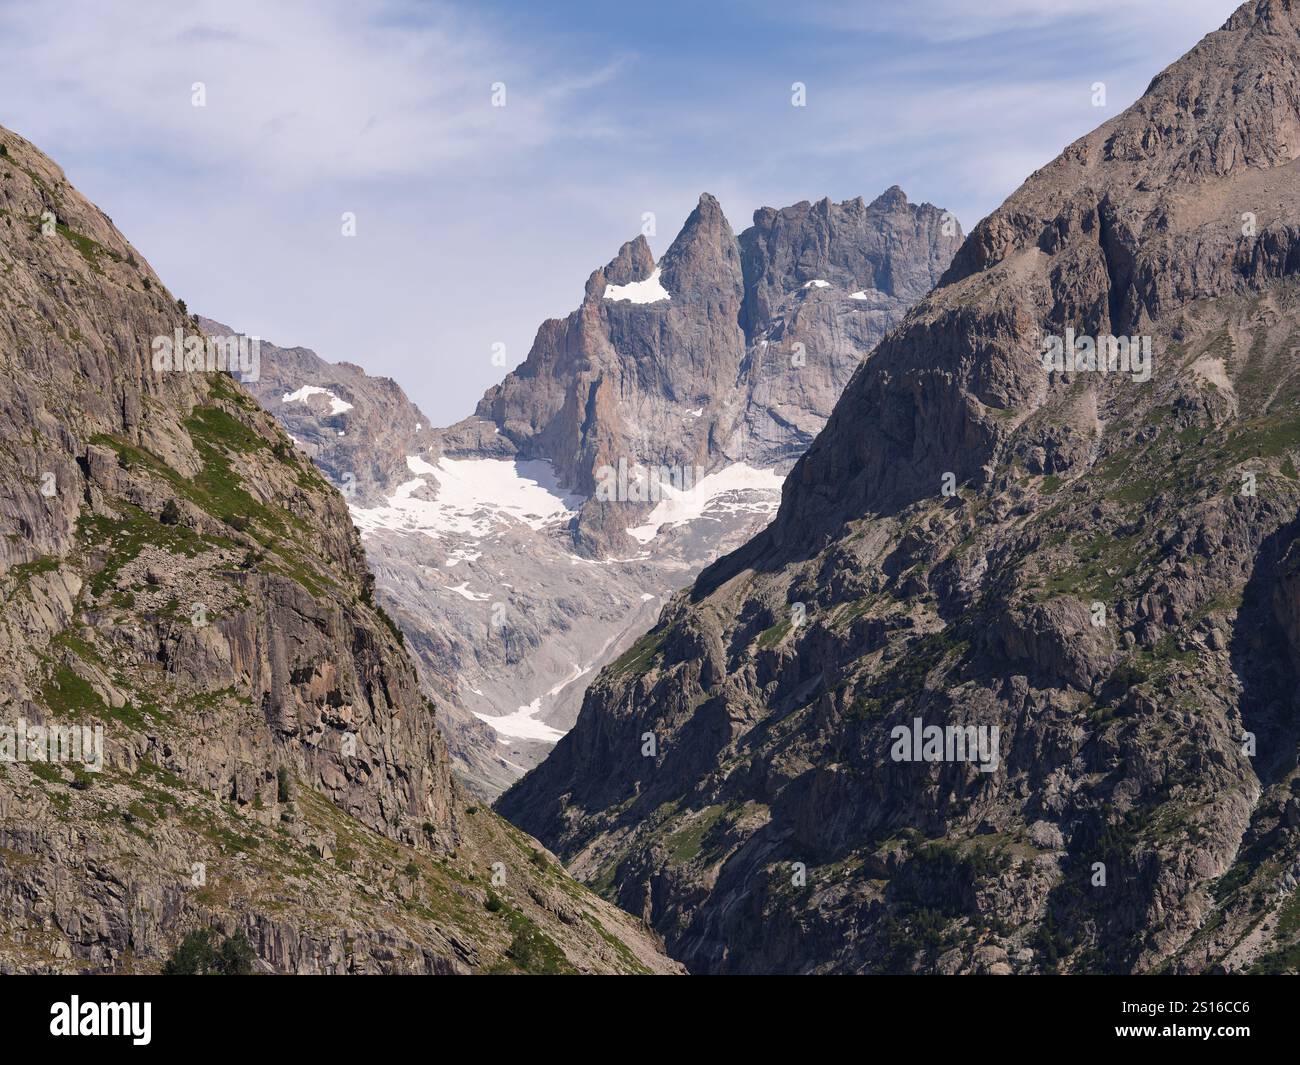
(1092, 569)
(645, 435)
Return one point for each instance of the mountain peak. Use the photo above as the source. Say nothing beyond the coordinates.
(1231, 105)
(704, 261)
(1122, 210)
(634, 262)
(893, 247)
(1233, 101)
(979, 539)
(892, 198)
(708, 203)
(1280, 14)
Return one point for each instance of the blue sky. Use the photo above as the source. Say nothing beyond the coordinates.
(476, 222)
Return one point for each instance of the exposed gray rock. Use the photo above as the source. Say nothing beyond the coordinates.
(736, 359)
(174, 573)
(936, 559)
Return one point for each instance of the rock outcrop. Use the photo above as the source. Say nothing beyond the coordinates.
(728, 350)
(205, 718)
(644, 435)
(1082, 578)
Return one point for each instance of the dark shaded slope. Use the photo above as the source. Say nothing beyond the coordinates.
(773, 828)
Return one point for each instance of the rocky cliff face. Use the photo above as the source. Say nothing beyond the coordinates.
(1082, 578)
(645, 434)
(356, 428)
(239, 737)
(359, 431)
(728, 350)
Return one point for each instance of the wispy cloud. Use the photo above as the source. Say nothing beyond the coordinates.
(296, 92)
(473, 221)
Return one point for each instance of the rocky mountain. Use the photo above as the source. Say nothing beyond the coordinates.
(726, 351)
(205, 719)
(357, 428)
(1010, 682)
(644, 435)
(359, 431)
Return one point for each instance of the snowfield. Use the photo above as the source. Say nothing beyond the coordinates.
(648, 291)
(474, 496)
(337, 405)
(523, 724)
(710, 493)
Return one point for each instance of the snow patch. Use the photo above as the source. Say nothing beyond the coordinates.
(675, 507)
(523, 724)
(578, 673)
(463, 591)
(817, 283)
(474, 496)
(648, 291)
(337, 405)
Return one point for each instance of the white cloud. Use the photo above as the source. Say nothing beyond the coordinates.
(297, 92)
(377, 107)
(473, 222)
